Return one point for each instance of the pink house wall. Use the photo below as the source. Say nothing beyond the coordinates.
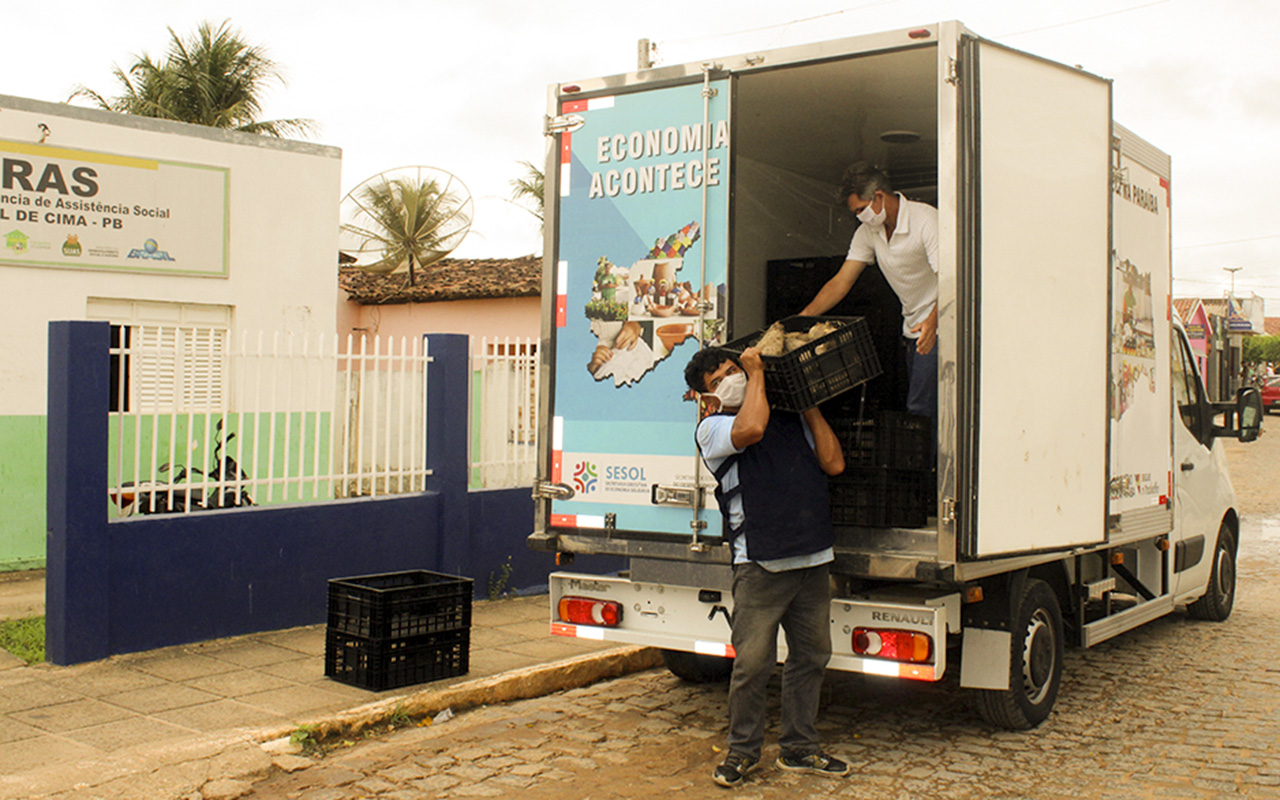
(514, 317)
(1200, 347)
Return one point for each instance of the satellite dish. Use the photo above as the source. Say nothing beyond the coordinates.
(405, 218)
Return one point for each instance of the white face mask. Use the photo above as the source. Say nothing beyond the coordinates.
(732, 390)
(868, 217)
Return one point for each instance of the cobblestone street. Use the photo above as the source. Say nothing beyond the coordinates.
(1178, 708)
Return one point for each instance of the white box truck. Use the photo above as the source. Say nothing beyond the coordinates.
(1079, 489)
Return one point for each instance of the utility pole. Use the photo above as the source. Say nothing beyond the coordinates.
(1233, 271)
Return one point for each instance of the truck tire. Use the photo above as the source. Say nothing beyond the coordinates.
(1035, 662)
(1220, 595)
(696, 667)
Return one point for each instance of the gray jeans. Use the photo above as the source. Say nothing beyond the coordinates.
(799, 601)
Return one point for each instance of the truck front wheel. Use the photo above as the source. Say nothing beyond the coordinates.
(1220, 595)
(1035, 662)
(696, 667)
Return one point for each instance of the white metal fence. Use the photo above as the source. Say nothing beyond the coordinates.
(201, 418)
(504, 429)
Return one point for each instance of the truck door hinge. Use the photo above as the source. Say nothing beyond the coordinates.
(546, 490)
(567, 123)
(953, 72)
(949, 510)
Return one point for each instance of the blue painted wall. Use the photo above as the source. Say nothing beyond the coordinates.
(119, 586)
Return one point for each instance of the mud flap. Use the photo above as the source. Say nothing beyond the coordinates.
(984, 659)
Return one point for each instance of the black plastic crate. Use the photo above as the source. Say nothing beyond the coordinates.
(820, 370)
(892, 439)
(878, 497)
(379, 664)
(396, 605)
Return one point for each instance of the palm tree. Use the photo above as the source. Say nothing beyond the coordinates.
(529, 189)
(214, 78)
(409, 221)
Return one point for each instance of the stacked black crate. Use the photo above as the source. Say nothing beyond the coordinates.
(888, 476)
(397, 629)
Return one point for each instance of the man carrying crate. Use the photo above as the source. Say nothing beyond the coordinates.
(771, 468)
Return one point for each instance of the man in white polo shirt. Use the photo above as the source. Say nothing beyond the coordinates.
(901, 236)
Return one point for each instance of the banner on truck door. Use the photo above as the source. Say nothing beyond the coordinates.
(80, 209)
(632, 299)
(1140, 336)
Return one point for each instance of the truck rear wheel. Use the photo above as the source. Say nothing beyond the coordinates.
(696, 667)
(1035, 662)
(1220, 596)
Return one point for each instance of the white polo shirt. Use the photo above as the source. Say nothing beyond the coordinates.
(909, 261)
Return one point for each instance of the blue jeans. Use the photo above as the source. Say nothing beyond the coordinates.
(922, 390)
(800, 601)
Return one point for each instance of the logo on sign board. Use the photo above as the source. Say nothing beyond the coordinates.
(584, 477)
(16, 241)
(150, 250)
(71, 247)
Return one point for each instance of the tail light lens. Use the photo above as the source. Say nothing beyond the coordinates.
(909, 646)
(589, 611)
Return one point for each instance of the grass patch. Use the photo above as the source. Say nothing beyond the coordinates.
(23, 638)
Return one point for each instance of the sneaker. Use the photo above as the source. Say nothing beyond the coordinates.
(818, 763)
(734, 769)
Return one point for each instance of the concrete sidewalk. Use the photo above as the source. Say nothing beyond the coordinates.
(187, 721)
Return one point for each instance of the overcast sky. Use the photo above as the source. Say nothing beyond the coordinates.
(463, 86)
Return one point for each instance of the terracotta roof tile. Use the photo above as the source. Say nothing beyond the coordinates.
(1185, 307)
(447, 279)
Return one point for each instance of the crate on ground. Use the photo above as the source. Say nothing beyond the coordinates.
(821, 369)
(380, 664)
(879, 497)
(396, 605)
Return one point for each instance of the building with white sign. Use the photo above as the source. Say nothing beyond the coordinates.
(140, 221)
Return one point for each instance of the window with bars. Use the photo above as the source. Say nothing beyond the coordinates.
(166, 356)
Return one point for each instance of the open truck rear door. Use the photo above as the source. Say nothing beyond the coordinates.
(639, 286)
(1033, 285)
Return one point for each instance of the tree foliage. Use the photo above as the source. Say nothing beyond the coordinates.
(1257, 349)
(409, 221)
(528, 191)
(212, 78)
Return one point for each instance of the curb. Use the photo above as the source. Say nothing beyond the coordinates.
(518, 684)
(224, 765)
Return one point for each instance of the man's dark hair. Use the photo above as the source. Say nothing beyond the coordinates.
(706, 360)
(863, 179)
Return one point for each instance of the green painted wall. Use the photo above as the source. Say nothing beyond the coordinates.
(182, 440)
(22, 501)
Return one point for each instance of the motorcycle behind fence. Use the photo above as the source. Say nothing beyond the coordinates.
(179, 495)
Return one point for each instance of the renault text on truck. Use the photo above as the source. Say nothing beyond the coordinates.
(1077, 489)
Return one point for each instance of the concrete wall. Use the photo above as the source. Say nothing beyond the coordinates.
(282, 208)
(145, 582)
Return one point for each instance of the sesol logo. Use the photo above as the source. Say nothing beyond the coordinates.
(585, 477)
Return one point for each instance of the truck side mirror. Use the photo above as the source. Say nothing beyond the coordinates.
(1248, 413)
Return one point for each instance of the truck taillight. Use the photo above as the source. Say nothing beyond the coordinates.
(589, 611)
(907, 646)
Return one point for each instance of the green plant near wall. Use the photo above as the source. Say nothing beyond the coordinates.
(498, 581)
(23, 638)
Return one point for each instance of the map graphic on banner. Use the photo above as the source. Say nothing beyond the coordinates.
(641, 313)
